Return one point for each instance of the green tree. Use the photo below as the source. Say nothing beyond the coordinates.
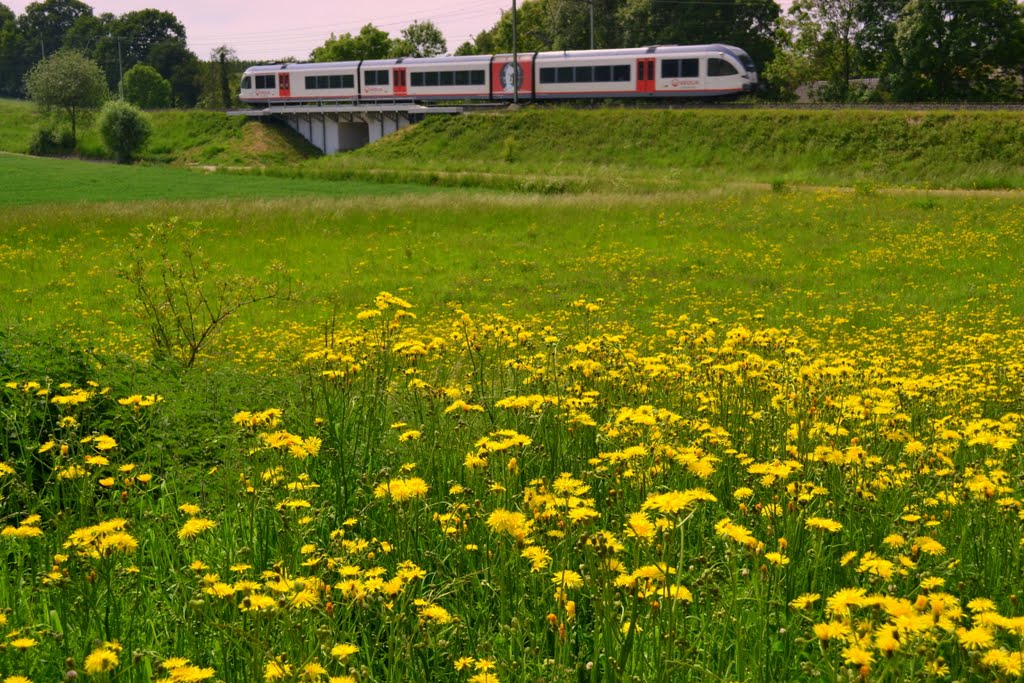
(180, 66)
(818, 44)
(141, 36)
(45, 24)
(144, 87)
(370, 43)
(420, 39)
(69, 82)
(949, 50)
(124, 129)
(749, 24)
(533, 31)
(13, 50)
(226, 61)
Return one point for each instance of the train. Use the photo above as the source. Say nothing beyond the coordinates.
(660, 71)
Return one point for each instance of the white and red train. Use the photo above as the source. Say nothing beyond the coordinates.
(706, 71)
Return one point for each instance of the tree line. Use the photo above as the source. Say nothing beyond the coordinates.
(146, 49)
(836, 50)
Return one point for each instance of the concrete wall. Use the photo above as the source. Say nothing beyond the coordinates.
(331, 133)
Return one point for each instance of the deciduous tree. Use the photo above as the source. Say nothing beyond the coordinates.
(69, 82)
(124, 129)
(950, 50)
(420, 39)
(370, 43)
(145, 88)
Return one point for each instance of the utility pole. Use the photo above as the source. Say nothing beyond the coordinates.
(515, 58)
(591, 3)
(121, 73)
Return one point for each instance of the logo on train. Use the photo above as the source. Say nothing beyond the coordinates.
(508, 84)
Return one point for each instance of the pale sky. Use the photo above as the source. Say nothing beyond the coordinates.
(260, 29)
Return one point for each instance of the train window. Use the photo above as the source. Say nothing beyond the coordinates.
(547, 76)
(447, 78)
(246, 83)
(602, 74)
(348, 81)
(670, 68)
(720, 67)
(565, 74)
(431, 78)
(476, 77)
(621, 72)
(584, 74)
(689, 68)
(266, 82)
(461, 78)
(377, 77)
(335, 82)
(310, 82)
(323, 82)
(416, 79)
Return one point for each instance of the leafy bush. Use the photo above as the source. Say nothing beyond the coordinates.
(124, 128)
(45, 142)
(146, 88)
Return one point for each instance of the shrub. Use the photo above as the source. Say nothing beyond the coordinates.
(124, 128)
(44, 143)
(146, 88)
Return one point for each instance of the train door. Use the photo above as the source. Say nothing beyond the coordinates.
(400, 85)
(284, 85)
(645, 75)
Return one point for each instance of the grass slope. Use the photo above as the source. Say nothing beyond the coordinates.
(671, 148)
(180, 137)
(35, 180)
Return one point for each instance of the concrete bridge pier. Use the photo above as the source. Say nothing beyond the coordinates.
(339, 128)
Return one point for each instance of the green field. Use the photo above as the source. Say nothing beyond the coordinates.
(726, 428)
(36, 180)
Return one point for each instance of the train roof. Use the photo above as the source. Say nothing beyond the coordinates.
(632, 52)
(424, 61)
(371, 63)
(642, 51)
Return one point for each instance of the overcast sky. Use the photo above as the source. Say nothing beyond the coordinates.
(260, 29)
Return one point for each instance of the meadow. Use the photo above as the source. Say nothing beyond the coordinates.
(719, 434)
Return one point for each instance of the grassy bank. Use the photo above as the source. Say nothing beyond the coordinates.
(623, 148)
(179, 137)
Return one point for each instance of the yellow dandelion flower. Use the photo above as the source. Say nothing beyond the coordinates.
(567, 579)
(344, 650)
(194, 527)
(101, 660)
(23, 643)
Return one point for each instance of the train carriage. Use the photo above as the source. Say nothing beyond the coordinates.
(660, 71)
(447, 78)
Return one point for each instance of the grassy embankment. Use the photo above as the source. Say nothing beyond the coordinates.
(180, 137)
(627, 150)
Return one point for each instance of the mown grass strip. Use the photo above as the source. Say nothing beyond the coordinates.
(33, 180)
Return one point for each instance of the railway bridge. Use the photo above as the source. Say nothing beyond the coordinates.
(335, 128)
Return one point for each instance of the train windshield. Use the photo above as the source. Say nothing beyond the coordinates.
(746, 61)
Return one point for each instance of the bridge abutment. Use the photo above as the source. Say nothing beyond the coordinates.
(340, 128)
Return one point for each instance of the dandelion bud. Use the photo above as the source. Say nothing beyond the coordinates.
(70, 675)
